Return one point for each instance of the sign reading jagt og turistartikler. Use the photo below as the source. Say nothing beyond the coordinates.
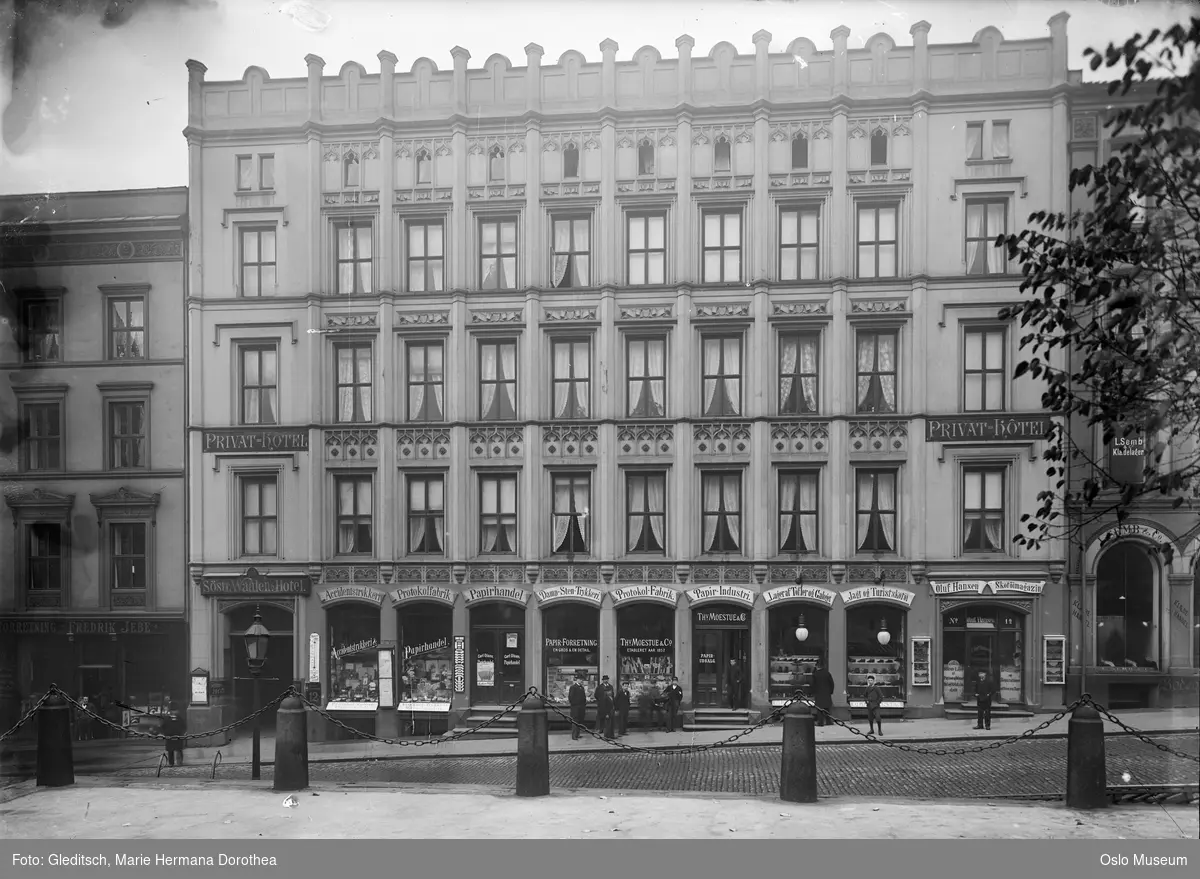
(972, 428)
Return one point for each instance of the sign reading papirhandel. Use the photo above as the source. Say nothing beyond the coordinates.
(422, 593)
(977, 587)
(351, 593)
(972, 428)
(492, 593)
(878, 593)
(256, 439)
(254, 583)
(800, 593)
(718, 593)
(569, 593)
(663, 594)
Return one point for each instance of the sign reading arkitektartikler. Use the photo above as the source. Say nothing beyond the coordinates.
(986, 428)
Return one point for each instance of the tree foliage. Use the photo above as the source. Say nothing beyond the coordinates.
(1111, 318)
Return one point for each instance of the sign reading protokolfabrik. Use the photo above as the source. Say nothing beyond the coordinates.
(878, 593)
(254, 583)
(501, 593)
(800, 593)
(422, 593)
(569, 593)
(256, 439)
(721, 593)
(663, 594)
(351, 593)
(972, 428)
(977, 587)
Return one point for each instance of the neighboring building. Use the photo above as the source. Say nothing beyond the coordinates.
(1135, 617)
(630, 368)
(92, 593)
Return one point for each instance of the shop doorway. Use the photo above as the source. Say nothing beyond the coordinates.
(497, 654)
(983, 638)
(720, 634)
(276, 675)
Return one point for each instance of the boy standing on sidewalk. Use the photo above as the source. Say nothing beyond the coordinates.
(874, 700)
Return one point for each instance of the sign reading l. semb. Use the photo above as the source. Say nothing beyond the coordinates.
(986, 428)
(256, 439)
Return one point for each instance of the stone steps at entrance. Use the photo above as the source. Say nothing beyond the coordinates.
(704, 719)
(505, 727)
(966, 710)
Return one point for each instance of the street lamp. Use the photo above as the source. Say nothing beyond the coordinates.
(256, 638)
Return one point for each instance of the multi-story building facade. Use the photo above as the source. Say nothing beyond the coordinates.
(627, 368)
(92, 594)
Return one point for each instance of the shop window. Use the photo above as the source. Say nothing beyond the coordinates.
(426, 381)
(571, 522)
(646, 653)
(426, 514)
(41, 321)
(498, 254)
(354, 380)
(799, 365)
(42, 435)
(876, 365)
(570, 376)
(793, 660)
(571, 252)
(355, 262)
(721, 498)
(798, 511)
(497, 653)
(427, 656)
(354, 654)
(260, 384)
(571, 648)
(875, 510)
(127, 328)
(722, 246)
(355, 515)
(983, 638)
(426, 256)
(1127, 633)
(498, 513)
(647, 249)
(646, 512)
(260, 515)
(497, 381)
(983, 509)
(646, 371)
(798, 229)
(983, 369)
(867, 629)
(721, 376)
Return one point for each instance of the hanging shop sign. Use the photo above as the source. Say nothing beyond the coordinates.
(1054, 668)
(970, 428)
(351, 593)
(586, 594)
(460, 663)
(252, 439)
(815, 594)
(421, 593)
(254, 583)
(735, 594)
(498, 593)
(864, 594)
(628, 594)
(978, 587)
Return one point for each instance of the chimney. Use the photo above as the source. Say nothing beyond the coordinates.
(196, 72)
(685, 44)
(841, 62)
(387, 82)
(316, 64)
(1058, 48)
(609, 48)
(762, 70)
(920, 35)
(533, 73)
(461, 57)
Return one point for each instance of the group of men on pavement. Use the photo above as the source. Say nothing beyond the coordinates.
(612, 707)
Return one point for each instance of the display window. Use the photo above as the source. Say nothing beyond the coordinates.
(793, 660)
(571, 647)
(426, 657)
(875, 638)
(984, 638)
(354, 657)
(1126, 609)
(646, 649)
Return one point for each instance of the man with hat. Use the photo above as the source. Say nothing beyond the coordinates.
(577, 697)
(604, 708)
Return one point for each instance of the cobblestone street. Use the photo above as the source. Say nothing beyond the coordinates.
(1033, 768)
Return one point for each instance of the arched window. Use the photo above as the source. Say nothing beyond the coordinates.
(879, 147)
(570, 162)
(1126, 616)
(645, 157)
(350, 167)
(496, 164)
(424, 167)
(799, 152)
(722, 159)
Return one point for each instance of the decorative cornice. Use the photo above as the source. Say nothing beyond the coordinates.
(569, 314)
(125, 497)
(497, 317)
(352, 321)
(799, 309)
(423, 318)
(648, 312)
(739, 309)
(878, 306)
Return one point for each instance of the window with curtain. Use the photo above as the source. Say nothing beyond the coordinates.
(128, 547)
(496, 165)
(722, 246)
(571, 364)
(424, 167)
(875, 503)
(45, 557)
(646, 512)
(354, 259)
(877, 241)
(571, 511)
(498, 254)
(798, 244)
(353, 383)
(645, 158)
(1000, 140)
(879, 147)
(646, 368)
(245, 173)
(41, 435)
(983, 369)
(986, 219)
(498, 513)
(722, 155)
(351, 171)
(798, 373)
(355, 515)
(799, 152)
(127, 442)
(798, 511)
(426, 514)
(426, 257)
(983, 510)
(722, 375)
(42, 322)
(570, 156)
(876, 372)
(259, 261)
(974, 141)
(721, 518)
(570, 260)
(127, 328)
(497, 381)
(647, 249)
(260, 384)
(260, 515)
(426, 381)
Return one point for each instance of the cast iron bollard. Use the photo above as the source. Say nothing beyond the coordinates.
(798, 771)
(1087, 778)
(291, 745)
(533, 749)
(55, 763)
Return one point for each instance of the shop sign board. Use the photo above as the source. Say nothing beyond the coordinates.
(978, 587)
(422, 593)
(994, 429)
(586, 594)
(662, 594)
(351, 593)
(256, 439)
(1146, 532)
(815, 594)
(254, 583)
(200, 679)
(498, 593)
(863, 594)
(736, 594)
(99, 626)
(460, 663)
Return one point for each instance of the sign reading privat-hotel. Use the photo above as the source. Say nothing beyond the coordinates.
(254, 583)
(256, 439)
(974, 428)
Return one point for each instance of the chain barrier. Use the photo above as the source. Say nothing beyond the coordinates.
(1137, 733)
(29, 715)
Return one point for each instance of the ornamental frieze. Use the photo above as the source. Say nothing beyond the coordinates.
(570, 440)
(423, 318)
(497, 442)
(740, 309)
(645, 439)
(732, 439)
(351, 321)
(418, 444)
(352, 445)
(804, 437)
(569, 314)
(799, 309)
(881, 437)
(648, 312)
(498, 317)
(878, 306)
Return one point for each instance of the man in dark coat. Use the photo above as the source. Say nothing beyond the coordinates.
(604, 708)
(733, 685)
(822, 693)
(577, 697)
(874, 700)
(622, 706)
(984, 690)
(674, 699)
(174, 727)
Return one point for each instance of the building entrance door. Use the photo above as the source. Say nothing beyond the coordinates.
(714, 649)
(981, 654)
(498, 670)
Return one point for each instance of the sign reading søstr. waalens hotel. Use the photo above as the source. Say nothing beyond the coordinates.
(987, 429)
(254, 583)
(256, 439)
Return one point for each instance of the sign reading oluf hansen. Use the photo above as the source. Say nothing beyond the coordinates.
(800, 593)
(353, 593)
(977, 587)
(878, 593)
(719, 593)
(254, 583)
(256, 439)
(972, 428)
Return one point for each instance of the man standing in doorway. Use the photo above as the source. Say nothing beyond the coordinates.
(983, 700)
(622, 707)
(577, 697)
(733, 685)
(604, 708)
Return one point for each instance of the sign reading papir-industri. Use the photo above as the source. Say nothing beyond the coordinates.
(800, 593)
(977, 587)
(569, 593)
(254, 583)
(422, 593)
(351, 593)
(878, 593)
(663, 594)
(721, 593)
(256, 439)
(996, 428)
(501, 593)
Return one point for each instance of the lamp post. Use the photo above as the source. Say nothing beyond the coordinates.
(256, 638)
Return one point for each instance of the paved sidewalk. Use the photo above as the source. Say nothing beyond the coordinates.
(96, 809)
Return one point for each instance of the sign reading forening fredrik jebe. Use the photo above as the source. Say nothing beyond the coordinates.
(996, 428)
(254, 439)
